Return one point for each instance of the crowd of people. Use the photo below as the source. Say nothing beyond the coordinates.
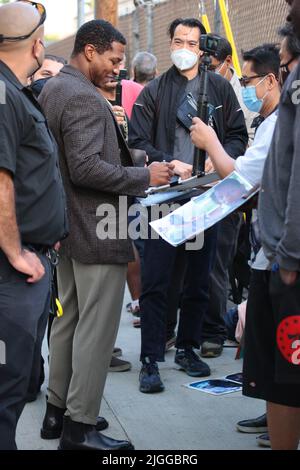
(76, 137)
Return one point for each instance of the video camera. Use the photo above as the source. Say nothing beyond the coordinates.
(209, 44)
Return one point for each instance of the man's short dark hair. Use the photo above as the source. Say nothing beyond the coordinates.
(224, 48)
(265, 59)
(100, 34)
(56, 58)
(292, 42)
(189, 22)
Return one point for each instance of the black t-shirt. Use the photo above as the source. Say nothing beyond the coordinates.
(28, 151)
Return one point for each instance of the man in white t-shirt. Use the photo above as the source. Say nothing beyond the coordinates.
(214, 330)
(261, 91)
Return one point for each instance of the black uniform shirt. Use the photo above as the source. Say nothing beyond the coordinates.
(28, 151)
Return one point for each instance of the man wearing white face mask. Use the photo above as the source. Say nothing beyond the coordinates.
(156, 128)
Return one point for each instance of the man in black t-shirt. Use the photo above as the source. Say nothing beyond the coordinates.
(32, 212)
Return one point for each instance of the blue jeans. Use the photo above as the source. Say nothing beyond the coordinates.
(159, 260)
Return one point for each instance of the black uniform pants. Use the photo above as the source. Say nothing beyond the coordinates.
(24, 310)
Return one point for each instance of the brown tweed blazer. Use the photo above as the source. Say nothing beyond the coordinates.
(96, 167)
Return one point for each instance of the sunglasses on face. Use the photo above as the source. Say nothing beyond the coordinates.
(285, 67)
(42, 11)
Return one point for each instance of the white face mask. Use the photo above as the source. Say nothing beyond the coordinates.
(184, 59)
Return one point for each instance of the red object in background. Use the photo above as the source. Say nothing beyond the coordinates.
(130, 92)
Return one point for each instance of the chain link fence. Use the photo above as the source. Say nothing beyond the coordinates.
(253, 22)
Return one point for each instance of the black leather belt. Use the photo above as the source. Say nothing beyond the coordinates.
(50, 252)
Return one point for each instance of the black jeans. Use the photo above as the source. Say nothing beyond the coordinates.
(24, 310)
(175, 293)
(214, 328)
(159, 260)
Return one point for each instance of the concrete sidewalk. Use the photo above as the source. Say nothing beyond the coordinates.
(177, 419)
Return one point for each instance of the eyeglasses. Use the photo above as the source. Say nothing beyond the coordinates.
(42, 11)
(244, 81)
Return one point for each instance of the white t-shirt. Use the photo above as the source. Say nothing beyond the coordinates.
(251, 166)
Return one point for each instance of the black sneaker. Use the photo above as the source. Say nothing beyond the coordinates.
(118, 365)
(210, 349)
(264, 440)
(150, 381)
(117, 352)
(252, 426)
(191, 363)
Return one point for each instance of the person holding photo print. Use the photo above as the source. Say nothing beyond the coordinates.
(271, 369)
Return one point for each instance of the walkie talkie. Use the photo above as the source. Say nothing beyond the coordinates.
(122, 76)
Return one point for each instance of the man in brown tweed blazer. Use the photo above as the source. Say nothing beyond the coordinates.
(97, 168)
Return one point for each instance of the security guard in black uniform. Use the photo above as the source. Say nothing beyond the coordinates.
(32, 211)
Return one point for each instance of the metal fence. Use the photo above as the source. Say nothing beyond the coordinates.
(253, 22)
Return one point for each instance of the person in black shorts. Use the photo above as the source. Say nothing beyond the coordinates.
(272, 352)
(272, 345)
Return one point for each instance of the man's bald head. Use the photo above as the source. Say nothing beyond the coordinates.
(23, 56)
(19, 19)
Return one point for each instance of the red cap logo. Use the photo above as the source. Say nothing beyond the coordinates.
(288, 339)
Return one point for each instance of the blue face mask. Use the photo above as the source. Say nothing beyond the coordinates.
(250, 98)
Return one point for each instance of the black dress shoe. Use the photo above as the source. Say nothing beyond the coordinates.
(80, 436)
(101, 424)
(53, 422)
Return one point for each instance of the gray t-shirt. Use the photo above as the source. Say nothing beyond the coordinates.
(279, 208)
(183, 148)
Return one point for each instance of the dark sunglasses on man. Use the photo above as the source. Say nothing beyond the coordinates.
(285, 67)
(285, 71)
(42, 11)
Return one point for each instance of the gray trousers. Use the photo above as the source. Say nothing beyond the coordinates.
(82, 340)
